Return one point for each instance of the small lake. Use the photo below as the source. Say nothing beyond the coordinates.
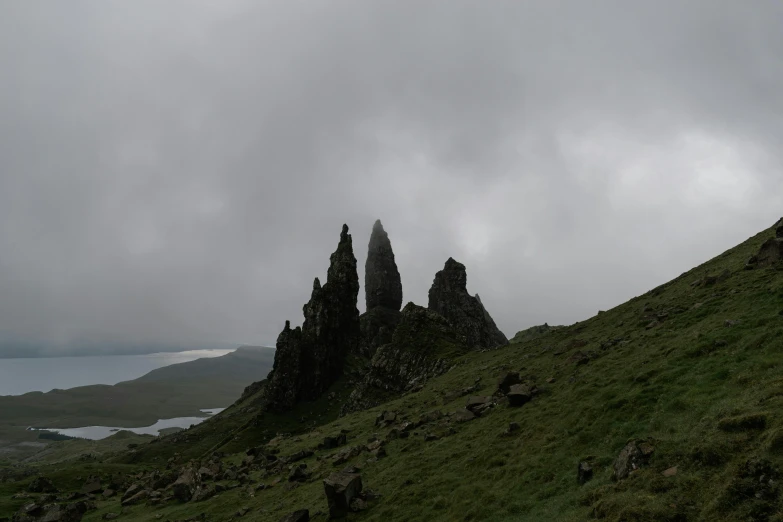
(18, 376)
(101, 432)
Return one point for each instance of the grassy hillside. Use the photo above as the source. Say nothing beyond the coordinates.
(693, 367)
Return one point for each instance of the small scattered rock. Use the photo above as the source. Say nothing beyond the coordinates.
(204, 492)
(41, 485)
(670, 472)
(298, 473)
(634, 455)
(479, 405)
(508, 380)
(579, 358)
(92, 486)
(137, 498)
(520, 394)
(463, 415)
(358, 504)
(186, 485)
(584, 472)
(334, 442)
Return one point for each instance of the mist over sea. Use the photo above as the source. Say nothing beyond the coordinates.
(18, 376)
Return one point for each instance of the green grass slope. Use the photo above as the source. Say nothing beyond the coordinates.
(695, 366)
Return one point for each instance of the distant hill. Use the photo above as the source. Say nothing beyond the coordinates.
(241, 365)
(13, 348)
(179, 390)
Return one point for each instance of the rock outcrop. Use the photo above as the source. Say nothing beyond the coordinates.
(310, 359)
(770, 253)
(382, 284)
(341, 489)
(634, 455)
(421, 348)
(383, 293)
(449, 297)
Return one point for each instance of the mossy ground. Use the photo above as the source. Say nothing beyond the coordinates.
(665, 365)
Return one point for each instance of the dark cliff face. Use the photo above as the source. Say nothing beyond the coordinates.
(422, 346)
(382, 283)
(449, 297)
(310, 359)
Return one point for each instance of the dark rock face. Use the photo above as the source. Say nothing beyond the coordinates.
(771, 252)
(507, 381)
(186, 485)
(377, 327)
(303, 515)
(310, 359)
(285, 380)
(421, 348)
(382, 282)
(449, 297)
(520, 394)
(584, 472)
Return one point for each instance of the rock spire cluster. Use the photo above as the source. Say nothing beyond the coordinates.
(404, 348)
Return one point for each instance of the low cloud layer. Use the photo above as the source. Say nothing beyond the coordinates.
(179, 171)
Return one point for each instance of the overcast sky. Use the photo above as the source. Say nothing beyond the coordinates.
(180, 170)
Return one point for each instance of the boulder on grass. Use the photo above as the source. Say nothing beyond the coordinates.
(341, 489)
(634, 455)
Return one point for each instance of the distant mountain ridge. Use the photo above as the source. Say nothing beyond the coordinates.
(178, 390)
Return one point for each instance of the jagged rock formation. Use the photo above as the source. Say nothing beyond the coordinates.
(382, 284)
(421, 348)
(310, 359)
(449, 297)
(383, 292)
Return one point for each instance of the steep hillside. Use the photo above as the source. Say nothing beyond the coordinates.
(689, 374)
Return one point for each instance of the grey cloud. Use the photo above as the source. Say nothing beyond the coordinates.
(180, 170)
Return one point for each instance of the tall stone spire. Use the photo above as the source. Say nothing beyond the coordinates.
(310, 359)
(382, 283)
